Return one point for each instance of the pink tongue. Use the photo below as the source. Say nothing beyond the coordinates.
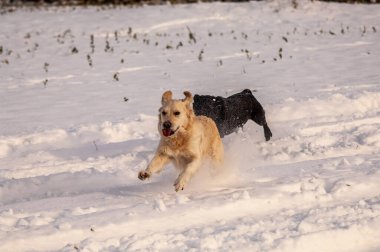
(166, 132)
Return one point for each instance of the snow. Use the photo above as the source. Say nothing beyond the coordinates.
(79, 120)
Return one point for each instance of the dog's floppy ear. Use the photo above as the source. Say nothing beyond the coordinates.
(189, 97)
(166, 97)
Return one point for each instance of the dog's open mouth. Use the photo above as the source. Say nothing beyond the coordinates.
(168, 132)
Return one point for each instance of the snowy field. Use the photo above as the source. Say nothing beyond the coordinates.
(80, 90)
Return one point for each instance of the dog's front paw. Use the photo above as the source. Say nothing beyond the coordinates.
(179, 185)
(144, 175)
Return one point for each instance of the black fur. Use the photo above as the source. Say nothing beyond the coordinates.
(232, 112)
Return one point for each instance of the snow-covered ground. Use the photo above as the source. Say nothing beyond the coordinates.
(80, 89)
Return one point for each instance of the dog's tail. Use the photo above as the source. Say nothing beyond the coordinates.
(246, 91)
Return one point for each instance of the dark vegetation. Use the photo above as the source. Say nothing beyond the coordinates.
(122, 45)
(9, 3)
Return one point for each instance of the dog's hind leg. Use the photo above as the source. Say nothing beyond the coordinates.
(258, 116)
(267, 132)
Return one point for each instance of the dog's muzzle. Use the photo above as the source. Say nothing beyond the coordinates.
(167, 129)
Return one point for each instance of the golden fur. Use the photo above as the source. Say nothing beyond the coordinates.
(186, 140)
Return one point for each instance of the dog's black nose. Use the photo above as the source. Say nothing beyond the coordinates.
(167, 125)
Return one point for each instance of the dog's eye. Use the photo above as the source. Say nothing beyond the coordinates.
(177, 113)
(164, 113)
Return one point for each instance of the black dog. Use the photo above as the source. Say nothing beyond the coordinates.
(232, 112)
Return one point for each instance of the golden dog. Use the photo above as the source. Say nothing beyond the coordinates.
(186, 140)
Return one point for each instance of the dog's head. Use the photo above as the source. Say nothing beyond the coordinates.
(175, 115)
